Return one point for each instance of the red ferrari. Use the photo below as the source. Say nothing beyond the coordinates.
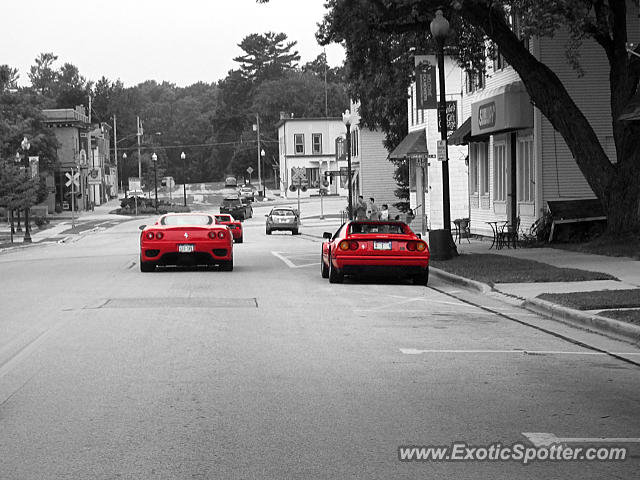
(234, 225)
(185, 239)
(375, 248)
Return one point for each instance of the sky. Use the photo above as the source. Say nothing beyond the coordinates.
(182, 42)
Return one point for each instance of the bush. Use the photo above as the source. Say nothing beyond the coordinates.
(41, 221)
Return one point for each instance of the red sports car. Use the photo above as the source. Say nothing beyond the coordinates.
(185, 239)
(234, 225)
(376, 248)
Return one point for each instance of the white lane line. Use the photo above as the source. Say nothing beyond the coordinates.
(290, 264)
(415, 351)
(543, 439)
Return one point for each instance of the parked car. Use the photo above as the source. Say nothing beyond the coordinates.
(283, 218)
(234, 207)
(185, 239)
(234, 225)
(247, 191)
(389, 248)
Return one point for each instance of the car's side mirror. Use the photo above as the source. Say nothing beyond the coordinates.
(419, 235)
(266, 214)
(142, 227)
(327, 235)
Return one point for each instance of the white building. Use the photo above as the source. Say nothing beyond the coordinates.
(315, 145)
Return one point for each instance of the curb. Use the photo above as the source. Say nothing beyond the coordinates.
(588, 321)
(458, 280)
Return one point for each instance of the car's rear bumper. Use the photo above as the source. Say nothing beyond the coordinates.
(205, 253)
(363, 263)
(283, 226)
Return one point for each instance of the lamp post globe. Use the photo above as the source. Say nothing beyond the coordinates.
(440, 241)
(184, 178)
(154, 157)
(347, 119)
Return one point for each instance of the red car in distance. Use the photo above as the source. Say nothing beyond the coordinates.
(234, 225)
(185, 239)
(389, 248)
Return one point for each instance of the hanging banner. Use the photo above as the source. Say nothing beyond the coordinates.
(452, 117)
(426, 95)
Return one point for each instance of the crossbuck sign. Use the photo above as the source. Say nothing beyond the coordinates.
(72, 179)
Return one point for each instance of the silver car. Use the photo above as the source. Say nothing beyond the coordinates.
(283, 218)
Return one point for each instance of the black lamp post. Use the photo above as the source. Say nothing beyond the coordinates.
(184, 177)
(264, 186)
(25, 148)
(346, 119)
(154, 157)
(444, 246)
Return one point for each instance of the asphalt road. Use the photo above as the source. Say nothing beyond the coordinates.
(270, 372)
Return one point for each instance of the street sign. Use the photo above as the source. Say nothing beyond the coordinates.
(442, 150)
(134, 184)
(249, 170)
(298, 174)
(94, 177)
(72, 179)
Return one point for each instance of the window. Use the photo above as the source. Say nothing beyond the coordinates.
(316, 143)
(474, 81)
(298, 140)
(187, 220)
(313, 177)
(355, 136)
(499, 172)
(482, 155)
(525, 169)
(473, 174)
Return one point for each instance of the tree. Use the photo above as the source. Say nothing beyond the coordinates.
(616, 184)
(8, 78)
(42, 75)
(267, 56)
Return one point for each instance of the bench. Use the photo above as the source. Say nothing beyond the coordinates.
(574, 211)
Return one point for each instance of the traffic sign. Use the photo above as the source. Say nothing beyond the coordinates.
(72, 179)
(442, 150)
(298, 174)
(249, 170)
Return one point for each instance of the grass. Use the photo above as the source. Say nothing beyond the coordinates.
(627, 245)
(629, 316)
(596, 300)
(492, 269)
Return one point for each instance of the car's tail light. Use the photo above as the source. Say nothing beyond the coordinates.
(344, 245)
(221, 235)
(411, 246)
(212, 234)
(420, 246)
(353, 245)
(150, 235)
(159, 235)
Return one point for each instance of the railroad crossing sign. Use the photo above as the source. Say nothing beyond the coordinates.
(298, 175)
(73, 179)
(249, 170)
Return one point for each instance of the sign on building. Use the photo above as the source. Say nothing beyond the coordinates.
(135, 184)
(94, 177)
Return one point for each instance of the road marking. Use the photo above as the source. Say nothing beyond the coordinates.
(290, 264)
(542, 439)
(415, 351)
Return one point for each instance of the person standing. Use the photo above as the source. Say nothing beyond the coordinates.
(384, 212)
(360, 209)
(373, 213)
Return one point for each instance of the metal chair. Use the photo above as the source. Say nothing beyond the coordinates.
(508, 235)
(463, 227)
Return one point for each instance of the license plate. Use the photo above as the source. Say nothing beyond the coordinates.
(186, 248)
(382, 245)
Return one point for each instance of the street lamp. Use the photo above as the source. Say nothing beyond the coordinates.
(444, 248)
(124, 157)
(184, 177)
(347, 119)
(25, 148)
(154, 157)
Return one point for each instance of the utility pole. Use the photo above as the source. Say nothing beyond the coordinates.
(259, 157)
(115, 149)
(89, 158)
(139, 134)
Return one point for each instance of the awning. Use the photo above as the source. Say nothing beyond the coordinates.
(508, 108)
(462, 134)
(413, 144)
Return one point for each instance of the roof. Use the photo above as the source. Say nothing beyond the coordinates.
(462, 135)
(415, 143)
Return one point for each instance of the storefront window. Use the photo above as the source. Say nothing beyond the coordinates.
(499, 172)
(525, 169)
(482, 156)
